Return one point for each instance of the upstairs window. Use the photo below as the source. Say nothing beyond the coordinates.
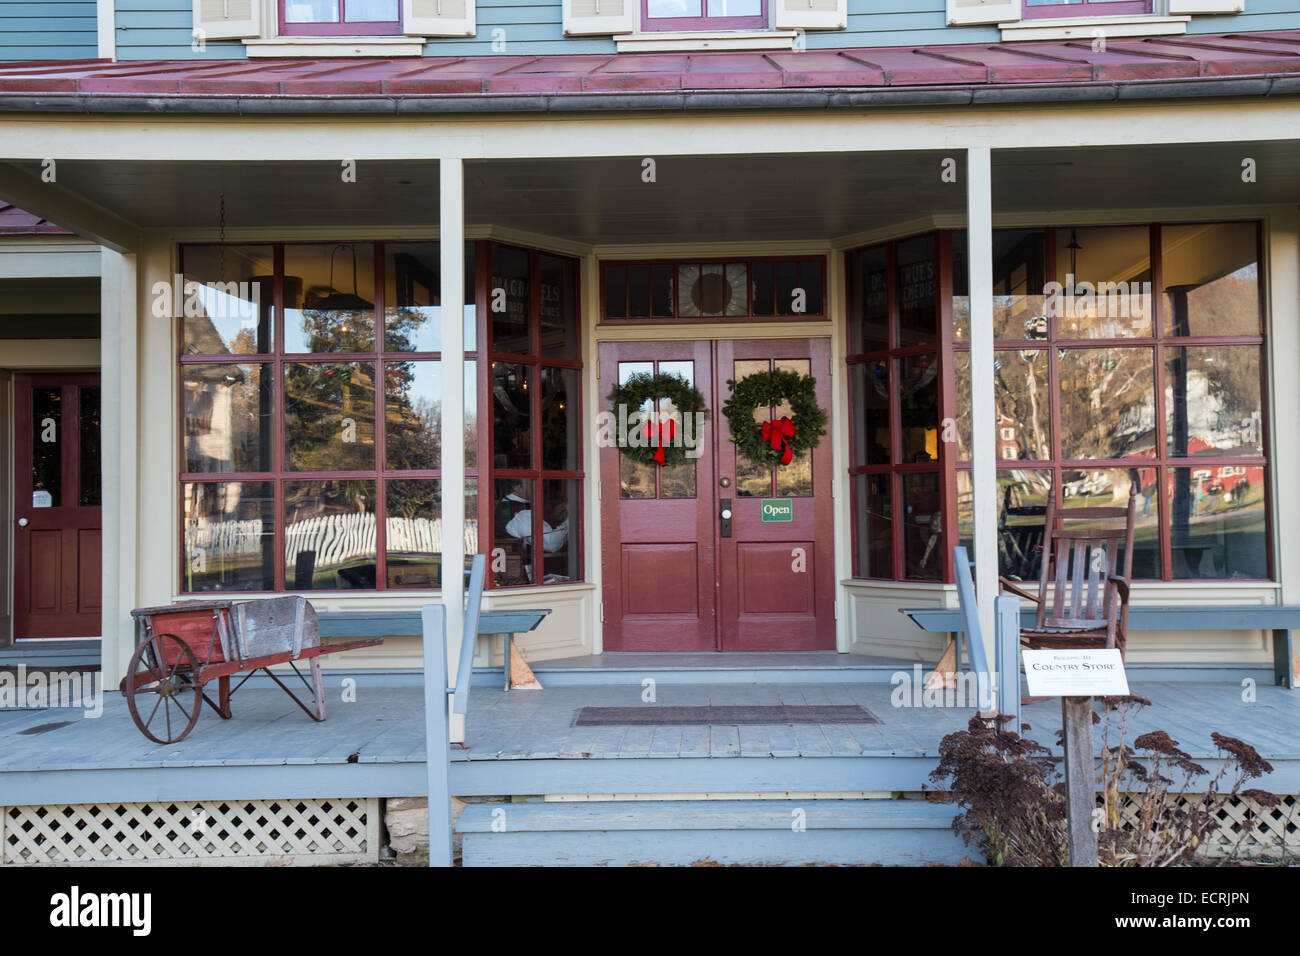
(704, 14)
(1035, 9)
(340, 17)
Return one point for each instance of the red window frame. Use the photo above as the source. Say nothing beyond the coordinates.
(702, 22)
(482, 469)
(1088, 8)
(342, 27)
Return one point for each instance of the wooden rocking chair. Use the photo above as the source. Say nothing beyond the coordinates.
(1089, 596)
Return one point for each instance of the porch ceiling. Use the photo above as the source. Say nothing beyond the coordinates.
(760, 197)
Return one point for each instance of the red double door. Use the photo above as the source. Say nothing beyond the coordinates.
(689, 561)
(58, 547)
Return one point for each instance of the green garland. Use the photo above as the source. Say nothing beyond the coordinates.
(766, 390)
(634, 393)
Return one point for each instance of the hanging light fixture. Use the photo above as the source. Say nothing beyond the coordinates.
(343, 301)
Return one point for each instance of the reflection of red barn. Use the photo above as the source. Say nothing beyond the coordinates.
(1211, 478)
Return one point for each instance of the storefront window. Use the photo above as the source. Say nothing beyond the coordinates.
(311, 429)
(1110, 399)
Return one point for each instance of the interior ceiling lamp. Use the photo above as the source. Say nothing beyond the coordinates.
(343, 301)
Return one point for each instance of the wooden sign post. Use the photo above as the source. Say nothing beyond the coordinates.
(1076, 676)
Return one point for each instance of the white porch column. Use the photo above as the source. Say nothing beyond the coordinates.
(451, 211)
(984, 478)
(118, 428)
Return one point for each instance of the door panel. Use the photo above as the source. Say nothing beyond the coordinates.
(776, 587)
(58, 556)
(672, 582)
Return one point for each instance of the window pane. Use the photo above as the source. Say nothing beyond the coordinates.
(510, 299)
(678, 481)
(311, 11)
(1019, 276)
(638, 294)
(763, 278)
(915, 289)
(413, 413)
(329, 535)
(869, 383)
(88, 485)
(873, 509)
(661, 291)
(511, 416)
(1021, 404)
(412, 297)
(231, 306)
(1111, 488)
(371, 11)
(795, 479)
(735, 8)
(753, 480)
(329, 416)
(688, 282)
(1107, 403)
(512, 544)
(786, 279)
(329, 298)
(560, 391)
(559, 308)
(413, 531)
(810, 280)
(1212, 401)
(1211, 279)
(559, 525)
(922, 527)
(1104, 275)
(1217, 521)
(738, 282)
(1022, 515)
(615, 292)
(47, 444)
(668, 9)
(228, 418)
(637, 478)
(869, 301)
(918, 385)
(229, 536)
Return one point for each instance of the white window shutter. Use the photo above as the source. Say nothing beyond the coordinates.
(582, 17)
(227, 19)
(1183, 7)
(438, 18)
(984, 11)
(810, 14)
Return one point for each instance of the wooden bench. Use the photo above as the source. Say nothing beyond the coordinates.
(1282, 620)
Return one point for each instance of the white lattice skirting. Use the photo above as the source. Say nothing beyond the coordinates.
(1243, 824)
(220, 832)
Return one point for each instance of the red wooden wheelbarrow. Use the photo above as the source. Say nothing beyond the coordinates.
(180, 647)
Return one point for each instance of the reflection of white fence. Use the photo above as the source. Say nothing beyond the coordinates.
(334, 538)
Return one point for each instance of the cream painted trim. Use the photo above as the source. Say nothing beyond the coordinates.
(838, 435)
(28, 261)
(593, 563)
(1086, 28)
(334, 46)
(159, 137)
(701, 41)
(49, 354)
(1282, 307)
(371, 233)
(106, 29)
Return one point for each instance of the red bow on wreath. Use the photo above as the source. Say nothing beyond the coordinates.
(779, 434)
(670, 427)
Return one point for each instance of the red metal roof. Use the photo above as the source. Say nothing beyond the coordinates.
(1060, 62)
(17, 222)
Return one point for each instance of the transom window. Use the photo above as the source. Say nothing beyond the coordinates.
(311, 416)
(703, 14)
(340, 17)
(723, 290)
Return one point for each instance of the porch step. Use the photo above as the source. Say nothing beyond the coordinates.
(694, 832)
(810, 667)
(56, 653)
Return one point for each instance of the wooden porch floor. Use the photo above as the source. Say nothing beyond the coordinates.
(526, 742)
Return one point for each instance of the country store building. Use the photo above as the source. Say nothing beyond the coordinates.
(258, 260)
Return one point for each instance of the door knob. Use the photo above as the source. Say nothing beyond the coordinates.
(726, 513)
(22, 522)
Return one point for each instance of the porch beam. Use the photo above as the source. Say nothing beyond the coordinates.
(451, 212)
(984, 478)
(59, 205)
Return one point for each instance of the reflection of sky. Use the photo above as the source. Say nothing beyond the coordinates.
(229, 313)
(673, 8)
(425, 390)
(427, 336)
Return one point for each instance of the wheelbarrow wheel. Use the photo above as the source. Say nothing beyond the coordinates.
(164, 699)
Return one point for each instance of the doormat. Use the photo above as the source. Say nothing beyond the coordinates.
(780, 714)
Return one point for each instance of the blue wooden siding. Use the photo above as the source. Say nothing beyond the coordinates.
(160, 29)
(51, 30)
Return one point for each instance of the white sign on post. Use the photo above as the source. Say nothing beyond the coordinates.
(1075, 673)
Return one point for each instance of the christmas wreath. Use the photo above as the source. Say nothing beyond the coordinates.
(651, 440)
(780, 441)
